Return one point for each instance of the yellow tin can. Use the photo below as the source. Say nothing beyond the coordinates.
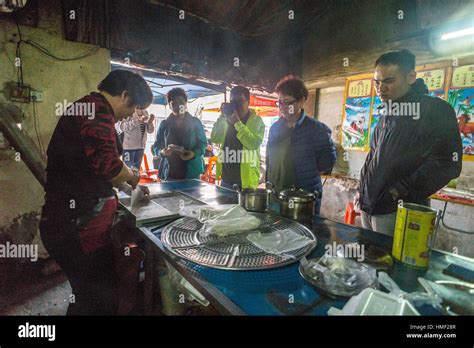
(413, 234)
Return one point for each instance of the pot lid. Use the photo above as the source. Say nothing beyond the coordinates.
(255, 191)
(297, 195)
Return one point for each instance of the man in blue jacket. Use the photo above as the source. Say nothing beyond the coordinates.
(299, 147)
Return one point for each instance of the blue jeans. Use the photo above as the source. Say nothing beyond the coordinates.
(133, 158)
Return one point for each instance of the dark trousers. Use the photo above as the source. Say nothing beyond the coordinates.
(317, 206)
(92, 276)
(229, 185)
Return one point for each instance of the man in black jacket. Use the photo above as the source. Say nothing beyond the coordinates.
(415, 149)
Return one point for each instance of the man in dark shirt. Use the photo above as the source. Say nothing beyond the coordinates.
(83, 166)
(415, 148)
(231, 169)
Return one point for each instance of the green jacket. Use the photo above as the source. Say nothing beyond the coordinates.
(251, 136)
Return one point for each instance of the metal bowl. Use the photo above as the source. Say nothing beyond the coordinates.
(254, 200)
(297, 204)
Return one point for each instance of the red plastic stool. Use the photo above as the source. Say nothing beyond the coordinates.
(350, 215)
(147, 175)
(208, 175)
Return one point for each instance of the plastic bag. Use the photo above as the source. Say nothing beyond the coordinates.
(416, 298)
(137, 196)
(340, 276)
(279, 242)
(183, 286)
(204, 212)
(222, 220)
(374, 302)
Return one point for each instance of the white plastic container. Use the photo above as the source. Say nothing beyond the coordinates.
(375, 302)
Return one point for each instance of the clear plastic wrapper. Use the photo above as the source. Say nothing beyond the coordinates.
(137, 196)
(279, 242)
(456, 297)
(204, 212)
(184, 287)
(416, 298)
(223, 220)
(339, 276)
(374, 302)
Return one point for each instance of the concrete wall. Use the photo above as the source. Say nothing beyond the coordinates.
(21, 195)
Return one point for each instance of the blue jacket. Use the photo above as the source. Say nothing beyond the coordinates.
(312, 149)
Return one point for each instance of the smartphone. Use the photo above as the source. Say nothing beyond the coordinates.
(178, 149)
(228, 109)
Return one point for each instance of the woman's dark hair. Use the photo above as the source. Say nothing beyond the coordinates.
(403, 58)
(237, 90)
(137, 88)
(292, 85)
(176, 92)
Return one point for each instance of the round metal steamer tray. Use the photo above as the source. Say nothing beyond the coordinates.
(233, 252)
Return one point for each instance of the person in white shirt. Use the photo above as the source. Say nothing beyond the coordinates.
(135, 129)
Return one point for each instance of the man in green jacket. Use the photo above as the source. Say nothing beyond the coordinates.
(240, 133)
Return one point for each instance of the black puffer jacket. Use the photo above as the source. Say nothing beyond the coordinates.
(417, 157)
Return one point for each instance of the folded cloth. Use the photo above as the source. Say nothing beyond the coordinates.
(279, 242)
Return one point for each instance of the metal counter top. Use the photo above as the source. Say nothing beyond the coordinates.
(280, 291)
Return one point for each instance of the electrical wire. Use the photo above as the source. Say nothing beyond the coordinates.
(43, 50)
(19, 72)
(36, 123)
(46, 52)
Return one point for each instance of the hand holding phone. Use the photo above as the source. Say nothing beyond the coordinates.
(227, 109)
(176, 148)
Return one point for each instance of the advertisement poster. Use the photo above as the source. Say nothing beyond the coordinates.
(463, 77)
(461, 98)
(361, 113)
(356, 115)
(375, 113)
(434, 80)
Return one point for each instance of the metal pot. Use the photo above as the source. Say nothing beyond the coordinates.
(297, 204)
(255, 200)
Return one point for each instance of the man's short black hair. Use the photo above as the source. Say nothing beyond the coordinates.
(237, 90)
(292, 85)
(176, 92)
(403, 58)
(118, 81)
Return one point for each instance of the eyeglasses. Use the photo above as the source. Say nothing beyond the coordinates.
(283, 104)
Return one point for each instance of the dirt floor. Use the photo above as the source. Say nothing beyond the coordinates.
(30, 292)
(43, 289)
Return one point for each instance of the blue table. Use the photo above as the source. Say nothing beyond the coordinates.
(279, 291)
